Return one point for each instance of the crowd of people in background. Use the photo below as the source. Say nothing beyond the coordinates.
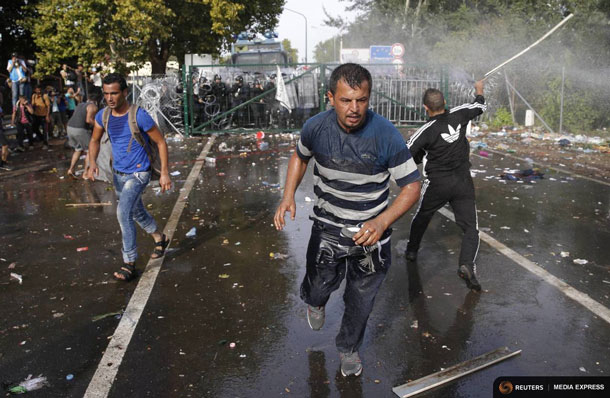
(41, 110)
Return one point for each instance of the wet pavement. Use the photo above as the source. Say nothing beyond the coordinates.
(222, 286)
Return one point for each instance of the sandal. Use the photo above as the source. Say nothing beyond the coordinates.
(127, 273)
(160, 247)
(72, 175)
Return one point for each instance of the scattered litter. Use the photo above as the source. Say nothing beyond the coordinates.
(58, 315)
(12, 265)
(107, 315)
(237, 243)
(232, 345)
(270, 185)
(242, 356)
(308, 199)
(564, 254)
(82, 249)
(504, 227)
(523, 175)
(446, 348)
(223, 276)
(225, 242)
(580, 261)
(223, 147)
(526, 230)
(210, 160)
(278, 256)
(485, 154)
(69, 377)
(582, 369)
(17, 277)
(260, 135)
(191, 233)
(29, 384)
(414, 324)
(564, 142)
(447, 294)
(174, 173)
(263, 146)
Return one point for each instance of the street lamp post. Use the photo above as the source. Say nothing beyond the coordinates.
(296, 12)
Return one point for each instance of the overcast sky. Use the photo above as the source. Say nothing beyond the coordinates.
(292, 25)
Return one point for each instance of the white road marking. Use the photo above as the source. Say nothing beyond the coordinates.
(102, 380)
(576, 295)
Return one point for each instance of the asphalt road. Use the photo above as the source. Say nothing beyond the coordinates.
(222, 286)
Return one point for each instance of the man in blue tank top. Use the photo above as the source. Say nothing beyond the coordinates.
(355, 152)
(131, 169)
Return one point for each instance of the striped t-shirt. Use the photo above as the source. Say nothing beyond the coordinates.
(352, 170)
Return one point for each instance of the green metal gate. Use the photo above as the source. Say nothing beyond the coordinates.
(243, 99)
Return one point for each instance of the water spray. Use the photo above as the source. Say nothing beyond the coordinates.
(563, 21)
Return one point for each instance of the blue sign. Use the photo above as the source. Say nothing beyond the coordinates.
(381, 54)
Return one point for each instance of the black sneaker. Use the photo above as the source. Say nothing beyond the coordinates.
(468, 273)
(4, 166)
(315, 317)
(411, 256)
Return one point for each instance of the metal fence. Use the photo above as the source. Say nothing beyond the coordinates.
(241, 98)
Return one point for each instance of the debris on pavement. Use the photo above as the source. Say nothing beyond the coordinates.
(17, 277)
(12, 265)
(82, 249)
(107, 315)
(270, 185)
(580, 261)
(564, 254)
(69, 377)
(191, 233)
(89, 204)
(523, 175)
(174, 173)
(29, 384)
(223, 276)
(278, 256)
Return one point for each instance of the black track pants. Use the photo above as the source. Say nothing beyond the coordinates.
(457, 190)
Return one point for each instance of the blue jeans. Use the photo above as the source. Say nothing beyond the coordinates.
(17, 89)
(130, 210)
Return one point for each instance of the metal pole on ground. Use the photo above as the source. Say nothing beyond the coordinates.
(510, 98)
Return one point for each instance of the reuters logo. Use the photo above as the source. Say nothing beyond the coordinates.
(505, 387)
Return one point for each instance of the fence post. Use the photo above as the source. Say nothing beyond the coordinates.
(185, 102)
(189, 78)
(445, 84)
(322, 86)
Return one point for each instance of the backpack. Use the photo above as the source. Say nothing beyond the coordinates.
(152, 151)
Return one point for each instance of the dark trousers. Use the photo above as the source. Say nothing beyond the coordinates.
(40, 121)
(458, 190)
(22, 130)
(328, 263)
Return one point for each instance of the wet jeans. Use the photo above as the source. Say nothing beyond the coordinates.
(129, 188)
(328, 263)
(458, 190)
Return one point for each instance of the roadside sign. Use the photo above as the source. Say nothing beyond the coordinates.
(398, 50)
(381, 54)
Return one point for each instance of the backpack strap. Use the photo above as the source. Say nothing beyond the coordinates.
(136, 134)
(105, 118)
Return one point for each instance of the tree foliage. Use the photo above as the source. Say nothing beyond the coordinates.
(116, 32)
(12, 13)
(293, 53)
(477, 35)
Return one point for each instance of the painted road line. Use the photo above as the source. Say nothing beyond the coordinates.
(576, 295)
(102, 380)
(547, 166)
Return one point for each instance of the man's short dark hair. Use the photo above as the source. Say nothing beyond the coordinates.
(112, 78)
(353, 74)
(434, 100)
(95, 97)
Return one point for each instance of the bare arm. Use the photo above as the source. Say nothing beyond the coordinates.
(296, 170)
(478, 87)
(91, 111)
(155, 135)
(94, 151)
(408, 196)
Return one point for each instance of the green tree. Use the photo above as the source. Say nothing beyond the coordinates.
(326, 51)
(293, 53)
(124, 31)
(15, 37)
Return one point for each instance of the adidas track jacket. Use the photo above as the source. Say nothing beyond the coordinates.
(441, 144)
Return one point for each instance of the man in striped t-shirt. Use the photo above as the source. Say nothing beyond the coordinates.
(355, 153)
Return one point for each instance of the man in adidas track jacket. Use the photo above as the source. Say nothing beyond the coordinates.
(441, 145)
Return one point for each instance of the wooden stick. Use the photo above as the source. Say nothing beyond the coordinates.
(527, 49)
(88, 204)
